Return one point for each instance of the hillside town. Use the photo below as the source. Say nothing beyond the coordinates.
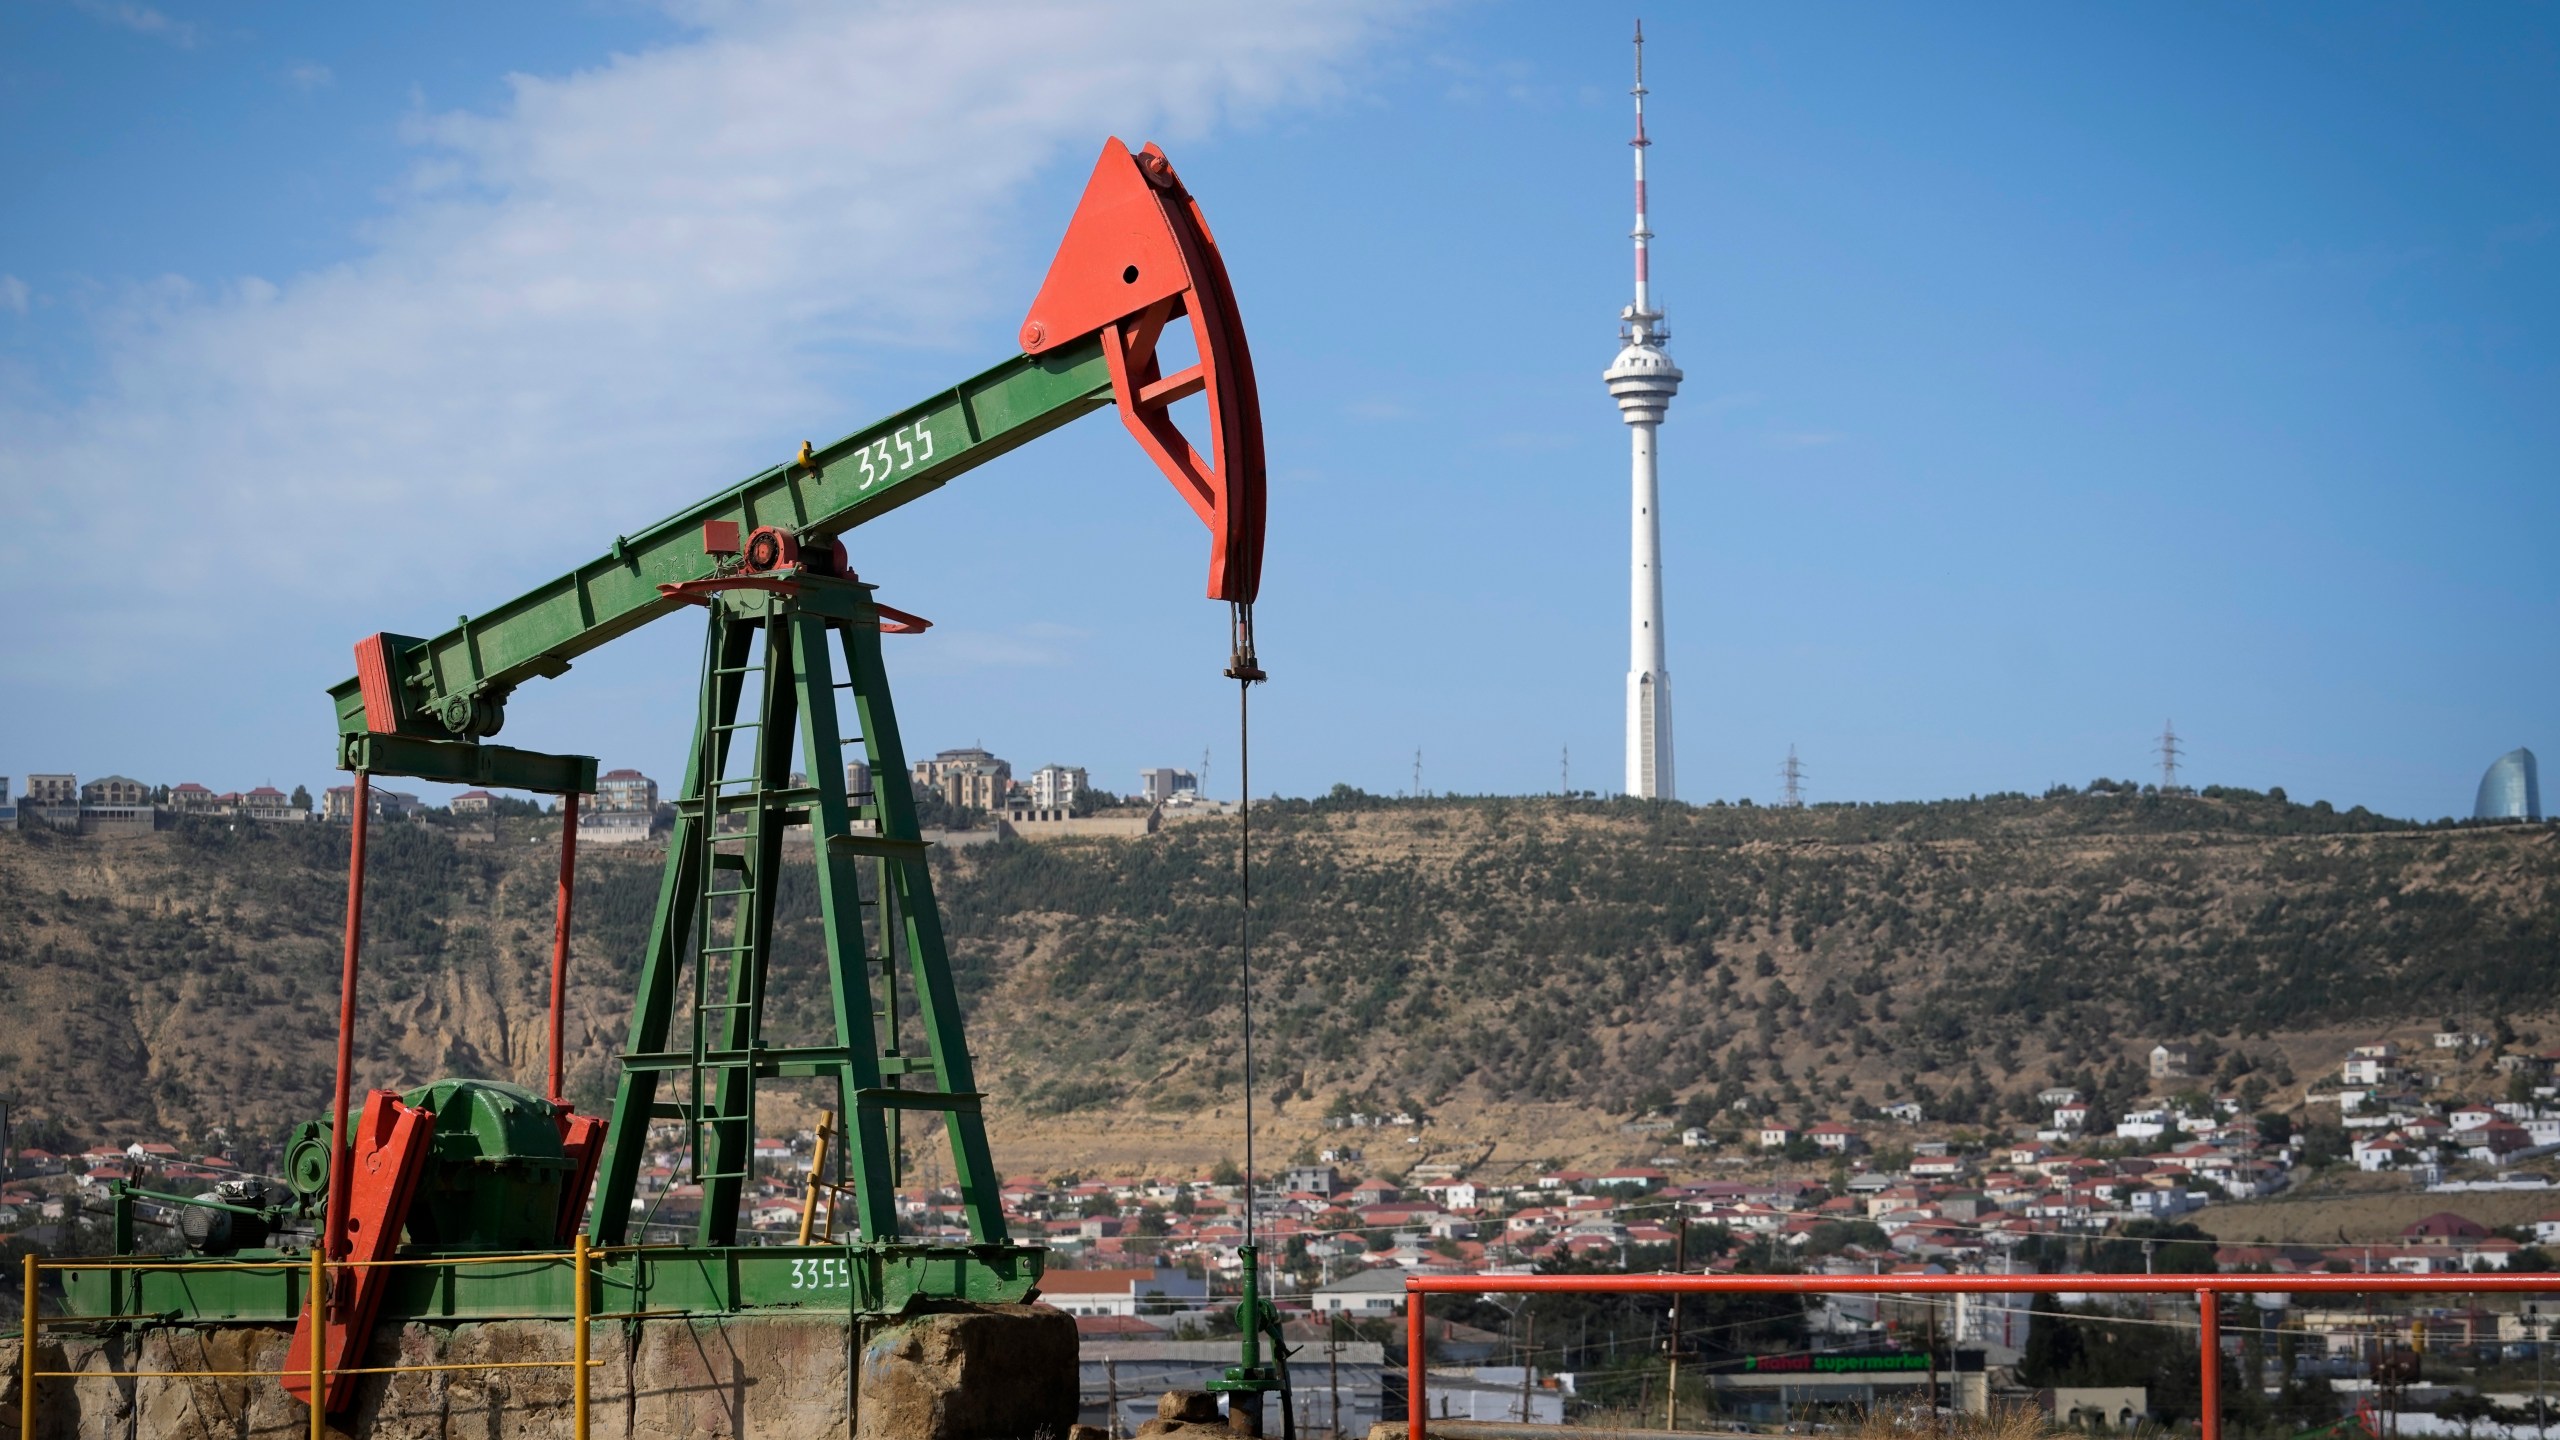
(968, 787)
(1148, 1264)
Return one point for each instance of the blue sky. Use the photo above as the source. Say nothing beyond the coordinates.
(2052, 372)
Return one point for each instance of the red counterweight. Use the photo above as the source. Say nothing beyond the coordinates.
(1137, 254)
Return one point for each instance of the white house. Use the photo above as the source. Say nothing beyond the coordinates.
(2390, 1151)
(1117, 1292)
(1775, 1137)
(1834, 1137)
(2142, 1125)
(1366, 1292)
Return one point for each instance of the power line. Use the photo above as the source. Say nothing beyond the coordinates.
(1793, 773)
(2169, 752)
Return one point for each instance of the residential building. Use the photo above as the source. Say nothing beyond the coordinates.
(2171, 1062)
(1775, 1137)
(473, 802)
(53, 790)
(115, 790)
(191, 798)
(857, 781)
(1120, 1292)
(1313, 1179)
(8, 807)
(627, 790)
(51, 800)
(1159, 785)
(1055, 787)
(2512, 790)
(339, 804)
(1363, 1292)
(616, 827)
(115, 805)
(969, 778)
(1832, 1136)
(266, 802)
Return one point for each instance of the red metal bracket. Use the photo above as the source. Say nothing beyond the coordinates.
(388, 1154)
(699, 592)
(1138, 253)
(582, 1140)
(893, 621)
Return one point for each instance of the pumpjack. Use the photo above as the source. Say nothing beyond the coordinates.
(469, 1166)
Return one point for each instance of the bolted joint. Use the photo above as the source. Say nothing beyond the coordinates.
(474, 715)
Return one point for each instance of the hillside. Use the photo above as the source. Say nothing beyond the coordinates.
(1530, 974)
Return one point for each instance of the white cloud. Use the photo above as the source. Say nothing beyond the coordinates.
(312, 76)
(598, 298)
(141, 20)
(13, 294)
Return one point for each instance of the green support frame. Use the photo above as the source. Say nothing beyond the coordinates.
(699, 1016)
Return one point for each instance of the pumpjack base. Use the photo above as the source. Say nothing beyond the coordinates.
(881, 1281)
(947, 1372)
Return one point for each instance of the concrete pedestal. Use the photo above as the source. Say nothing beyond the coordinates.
(952, 1373)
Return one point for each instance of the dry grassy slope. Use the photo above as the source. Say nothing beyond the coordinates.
(2367, 1207)
(1525, 971)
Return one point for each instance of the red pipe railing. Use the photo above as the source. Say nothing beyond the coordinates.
(2205, 1289)
(333, 1238)
(560, 940)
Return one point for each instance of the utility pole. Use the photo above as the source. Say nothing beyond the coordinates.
(1528, 1358)
(1333, 1362)
(1671, 1388)
(1564, 774)
(2169, 753)
(1111, 1396)
(1933, 1364)
(1417, 772)
(1793, 773)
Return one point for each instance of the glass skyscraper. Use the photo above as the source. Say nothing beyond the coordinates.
(2512, 790)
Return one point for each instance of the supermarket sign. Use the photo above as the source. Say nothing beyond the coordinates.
(1836, 1364)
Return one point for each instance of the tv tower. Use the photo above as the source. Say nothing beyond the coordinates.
(1642, 380)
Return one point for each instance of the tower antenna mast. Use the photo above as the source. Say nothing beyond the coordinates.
(1642, 380)
(1793, 773)
(2169, 753)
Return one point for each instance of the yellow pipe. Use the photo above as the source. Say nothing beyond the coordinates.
(192, 1266)
(578, 1350)
(319, 1339)
(27, 1356)
(817, 1167)
(279, 1374)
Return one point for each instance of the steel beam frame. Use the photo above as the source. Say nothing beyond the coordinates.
(792, 640)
